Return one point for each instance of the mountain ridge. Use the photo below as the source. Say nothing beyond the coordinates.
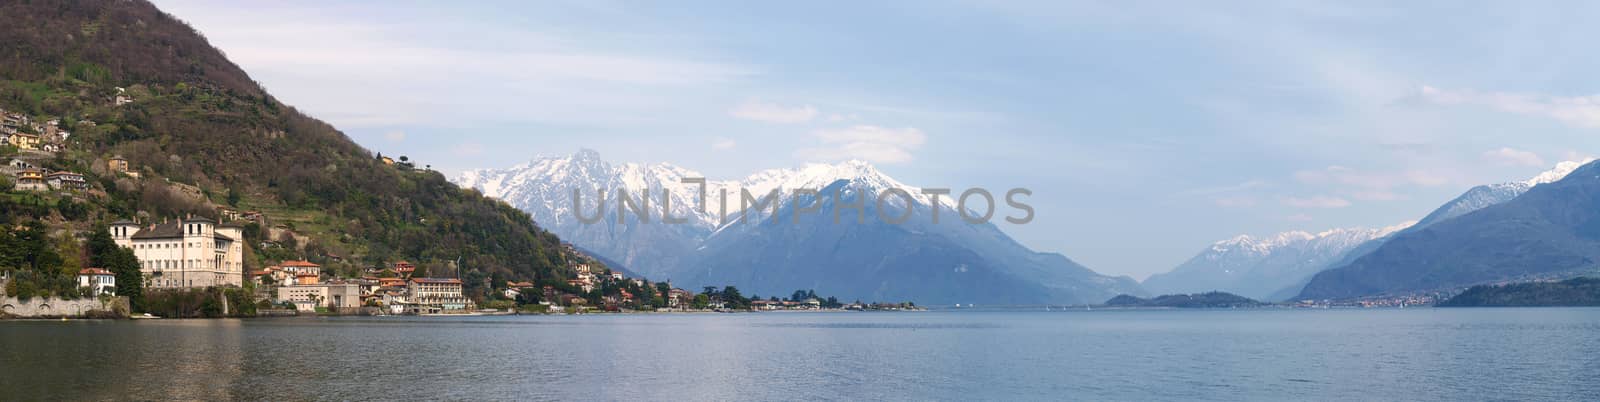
(714, 249)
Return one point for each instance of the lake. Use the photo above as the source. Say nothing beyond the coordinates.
(1265, 354)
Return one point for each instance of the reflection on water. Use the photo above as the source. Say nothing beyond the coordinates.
(1124, 355)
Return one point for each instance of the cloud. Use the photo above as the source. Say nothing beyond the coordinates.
(772, 112)
(723, 144)
(395, 136)
(1507, 156)
(1581, 111)
(871, 143)
(1298, 218)
(1320, 201)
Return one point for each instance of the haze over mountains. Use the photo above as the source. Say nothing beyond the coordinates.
(1278, 267)
(871, 258)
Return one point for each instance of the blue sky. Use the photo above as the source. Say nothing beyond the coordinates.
(1147, 130)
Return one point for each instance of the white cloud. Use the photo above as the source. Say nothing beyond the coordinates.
(1298, 218)
(395, 136)
(361, 70)
(871, 143)
(1581, 111)
(723, 144)
(1320, 201)
(772, 112)
(1507, 156)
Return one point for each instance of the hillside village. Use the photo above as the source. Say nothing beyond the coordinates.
(190, 252)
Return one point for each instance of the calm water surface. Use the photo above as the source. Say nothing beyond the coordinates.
(1411, 354)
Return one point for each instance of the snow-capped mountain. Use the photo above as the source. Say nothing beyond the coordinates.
(1263, 268)
(1473, 199)
(795, 244)
(1259, 267)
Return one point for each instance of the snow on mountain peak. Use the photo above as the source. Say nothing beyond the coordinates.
(1559, 172)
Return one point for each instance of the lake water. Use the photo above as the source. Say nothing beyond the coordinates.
(1410, 354)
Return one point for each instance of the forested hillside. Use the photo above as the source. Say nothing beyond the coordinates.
(200, 135)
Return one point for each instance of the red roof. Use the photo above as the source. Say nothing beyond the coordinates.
(299, 264)
(94, 271)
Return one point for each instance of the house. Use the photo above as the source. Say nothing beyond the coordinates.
(117, 164)
(298, 268)
(388, 161)
(404, 268)
(391, 282)
(679, 297)
(581, 284)
(31, 180)
(66, 181)
(307, 279)
(338, 297)
(103, 282)
(19, 164)
(616, 276)
(185, 253)
(442, 293)
(25, 141)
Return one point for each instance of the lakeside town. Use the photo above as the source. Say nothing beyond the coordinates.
(229, 261)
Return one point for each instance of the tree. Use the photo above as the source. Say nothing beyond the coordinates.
(701, 301)
(233, 197)
(731, 295)
(130, 282)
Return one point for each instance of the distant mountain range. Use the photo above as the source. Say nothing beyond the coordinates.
(871, 259)
(1277, 267)
(1263, 268)
(1551, 230)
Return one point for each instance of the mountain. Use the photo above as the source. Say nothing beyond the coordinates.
(1474, 199)
(544, 188)
(203, 136)
(1552, 230)
(1278, 267)
(1260, 268)
(871, 259)
(1572, 292)
(1197, 300)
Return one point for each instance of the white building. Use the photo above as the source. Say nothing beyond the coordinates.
(99, 279)
(441, 292)
(335, 296)
(186, 253)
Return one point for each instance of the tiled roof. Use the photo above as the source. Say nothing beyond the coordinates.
(160, 231)
(94, 271)
(299, 264)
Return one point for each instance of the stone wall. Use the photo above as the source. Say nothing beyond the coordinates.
(40, 307)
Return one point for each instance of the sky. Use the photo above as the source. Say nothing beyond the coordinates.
(1146, 130)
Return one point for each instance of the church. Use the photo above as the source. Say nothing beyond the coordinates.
(186, 253)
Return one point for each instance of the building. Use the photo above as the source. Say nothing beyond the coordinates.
(102, 281)
(442, 293)
(185, 253)
(66, 181)
(297, 268)
(31, 180)
(336, 297)
(25, 141)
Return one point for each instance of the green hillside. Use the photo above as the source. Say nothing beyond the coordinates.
(202, 137)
